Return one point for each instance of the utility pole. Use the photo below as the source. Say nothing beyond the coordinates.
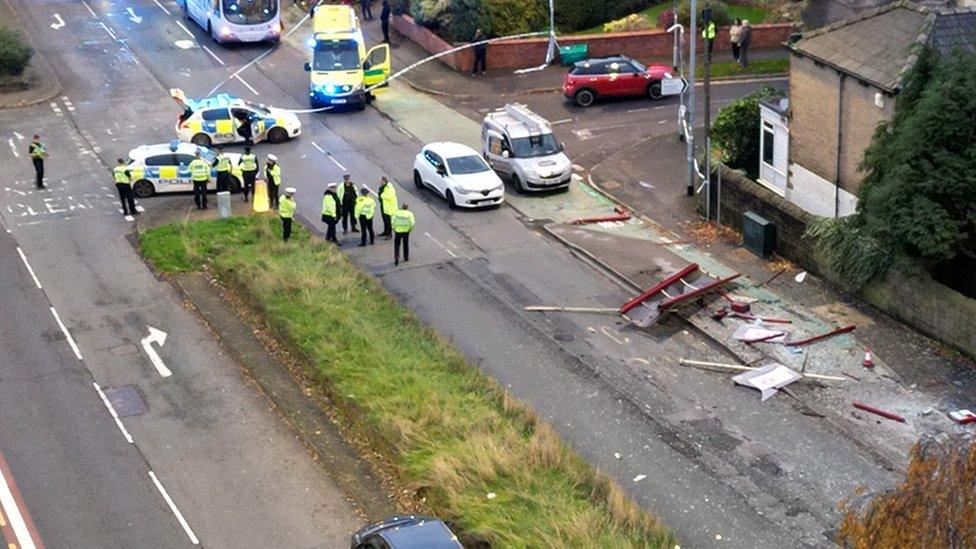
(709, 42)
(690, 140)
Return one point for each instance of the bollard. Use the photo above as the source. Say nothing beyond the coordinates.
(223, 204)
(260, 196)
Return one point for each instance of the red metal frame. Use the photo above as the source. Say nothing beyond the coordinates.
(657, 288)
(816, 338)
(586, 220)
(664, 305)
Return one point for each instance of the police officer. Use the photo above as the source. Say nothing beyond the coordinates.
(388, 205)
(347, 200)
(249, 171)
(200, 175)
(272, 172)
(37, 154)
(222, 162)
(123, 182)
(330, 212)
(402, 225)
(365, 209)
(286, 210)
(708, 33)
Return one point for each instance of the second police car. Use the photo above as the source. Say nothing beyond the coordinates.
(225, 119)
(165, 168)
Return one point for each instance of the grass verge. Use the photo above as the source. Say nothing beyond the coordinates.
(725, 69)
(753, 14)
(451, 434)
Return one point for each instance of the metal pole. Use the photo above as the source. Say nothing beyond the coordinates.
(718, 199)
(708, 115)
(690, 111)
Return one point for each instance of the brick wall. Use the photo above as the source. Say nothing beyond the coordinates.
(642, 45)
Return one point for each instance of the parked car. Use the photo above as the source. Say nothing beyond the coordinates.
(618, 76)
(459, 174)
(406, 532)
(520, 146)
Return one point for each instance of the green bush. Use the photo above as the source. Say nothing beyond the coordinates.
(633, 22)
(453, 20)
(575, 15)
(736, 131)
(15, 52)
(720, 13)
(508, 17)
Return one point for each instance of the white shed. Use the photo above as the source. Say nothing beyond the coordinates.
(774, 143)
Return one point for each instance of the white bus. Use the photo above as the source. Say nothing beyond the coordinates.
(237, 20)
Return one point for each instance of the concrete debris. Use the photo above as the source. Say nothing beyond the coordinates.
(768, 379)
(639, 478)
(706, 365)
(617, 455)
(800, 277)
(754, 333)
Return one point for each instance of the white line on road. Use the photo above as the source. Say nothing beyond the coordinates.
(13, 148)
(29, 268)
(17, 522)
(186, 30)
(67, 334)
(563, 121)
(328, 155)
(446, 249)
(60, 22)
(254, 91)
(639, 110)
(155, 336)
(132, 16)
(90, 10)
(18, 136)
(162, 7)
(109, 31)
(214, 55)
(111, 410)
(172, 507)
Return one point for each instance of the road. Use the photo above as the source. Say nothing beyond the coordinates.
(747, 474)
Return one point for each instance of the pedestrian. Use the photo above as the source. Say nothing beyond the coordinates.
(287, 212)
(367, 9)
(385, 21)
(37, 154)
(222, 163)
(735, 31)
(123, 183)
(745, 38)
(402, 225)
(272, 172)
(365, 210)
(347, 201)
(480, 53)
(388, 205)
(708, 34)
(249, 171)
(330, 212)
(200, 175)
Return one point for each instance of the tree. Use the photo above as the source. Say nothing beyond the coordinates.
(736, 131)
(15, 52)
(455, 20)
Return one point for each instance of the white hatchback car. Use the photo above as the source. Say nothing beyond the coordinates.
(459, 174)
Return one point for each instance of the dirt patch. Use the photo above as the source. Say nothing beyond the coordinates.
(843, 314)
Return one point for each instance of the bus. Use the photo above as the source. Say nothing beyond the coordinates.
(237, 20)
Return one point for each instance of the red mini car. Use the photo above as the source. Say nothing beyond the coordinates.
(613, 76)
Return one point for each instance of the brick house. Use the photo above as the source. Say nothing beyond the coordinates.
(844, 80)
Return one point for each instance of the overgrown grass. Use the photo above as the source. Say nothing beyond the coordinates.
(725, 69)
(754, 14)
(452, 434)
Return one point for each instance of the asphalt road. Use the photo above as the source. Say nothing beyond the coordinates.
(745, 474)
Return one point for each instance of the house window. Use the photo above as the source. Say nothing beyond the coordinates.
(767, 143)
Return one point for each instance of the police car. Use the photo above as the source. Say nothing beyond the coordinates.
(164, 168)
(224, 119)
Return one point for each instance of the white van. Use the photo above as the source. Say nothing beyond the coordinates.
(520, 146)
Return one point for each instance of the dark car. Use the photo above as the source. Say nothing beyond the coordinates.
(613, 76)
(406, 532)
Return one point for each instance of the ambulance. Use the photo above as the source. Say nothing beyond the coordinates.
(342, 72)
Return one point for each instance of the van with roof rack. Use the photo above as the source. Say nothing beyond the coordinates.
(521, 147)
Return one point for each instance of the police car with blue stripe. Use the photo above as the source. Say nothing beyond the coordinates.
(225, 119)
(164, 168)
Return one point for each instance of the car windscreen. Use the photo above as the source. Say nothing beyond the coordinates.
(249, 12)
(535, 145)
(640, 66)
(335, 55)
(462, 165)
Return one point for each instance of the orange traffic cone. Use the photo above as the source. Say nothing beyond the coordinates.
(868, 362)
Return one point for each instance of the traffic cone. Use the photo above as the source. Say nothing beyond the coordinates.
(868, 362)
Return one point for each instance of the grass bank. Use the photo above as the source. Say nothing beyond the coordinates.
(725, 69)
(451, 434)
(754, 14)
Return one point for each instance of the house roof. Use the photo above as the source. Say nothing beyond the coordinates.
(881, 45)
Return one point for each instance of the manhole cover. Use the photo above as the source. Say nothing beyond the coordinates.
(126, 400)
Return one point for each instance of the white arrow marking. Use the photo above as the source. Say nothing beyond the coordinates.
(18, 136)
(133, 17)
(156, 336)
(60, 22)
(13, 148)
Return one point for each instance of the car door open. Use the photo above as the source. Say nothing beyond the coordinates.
(376, 68)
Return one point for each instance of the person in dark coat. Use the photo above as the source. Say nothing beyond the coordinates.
(385, 21)
(745, 38)
(367, 9)
(347, 197)
(480, 54)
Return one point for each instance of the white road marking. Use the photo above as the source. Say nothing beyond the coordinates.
(17, 522)
(133, 17)
(328, 155)
(563, 121)
(156, 336)
(109, 31)
(184, 45)
(162, 7)
(18, 136)
(583, 135)
(67, 334)
(13, 148)
(90, 10)
(214, 55)
(446, 249)
(639, 110)
(115, 416)
(611, 336)
(172, 507)
(186, 30)
(29, 268)
(59, 22)
(254, 91)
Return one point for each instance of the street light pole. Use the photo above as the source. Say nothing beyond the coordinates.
(690, 140)
(706, 24)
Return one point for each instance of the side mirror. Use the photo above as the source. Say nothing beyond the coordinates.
(308, 67)
(505, 153)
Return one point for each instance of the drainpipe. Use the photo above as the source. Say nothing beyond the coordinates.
(840, 138)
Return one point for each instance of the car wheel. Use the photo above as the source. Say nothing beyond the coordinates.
(417, 180)
(654, 90)
(143, 189)
(584, 97)
(277, 135)
(202, 140)
(517, 183)
(361, 106)
(235, 185)
(451, 203)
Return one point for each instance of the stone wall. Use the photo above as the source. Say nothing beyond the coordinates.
(519, 54)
